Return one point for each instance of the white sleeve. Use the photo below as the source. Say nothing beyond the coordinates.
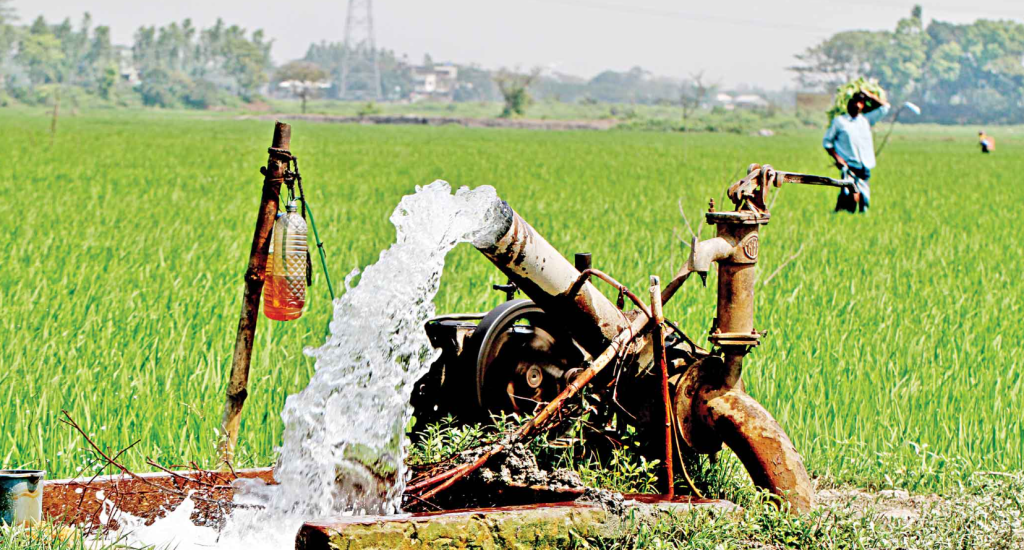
(829, 141)
(877, 114)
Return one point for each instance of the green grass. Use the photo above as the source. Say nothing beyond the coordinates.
(893, 357)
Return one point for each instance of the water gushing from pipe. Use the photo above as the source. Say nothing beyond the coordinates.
(344, 438)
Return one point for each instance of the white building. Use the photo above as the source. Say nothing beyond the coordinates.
(437, 82)
(741, 101)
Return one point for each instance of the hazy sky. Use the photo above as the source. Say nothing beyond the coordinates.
(733, 41)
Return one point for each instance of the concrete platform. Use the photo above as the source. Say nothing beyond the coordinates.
(509, 527)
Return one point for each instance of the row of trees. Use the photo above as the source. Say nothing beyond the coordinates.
(173, 65)
(635, 85)
(958, 73)
(179, 62)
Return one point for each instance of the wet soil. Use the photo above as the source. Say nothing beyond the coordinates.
(149, 496)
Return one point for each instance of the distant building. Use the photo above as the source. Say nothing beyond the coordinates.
(750, 101)
(437, 82)
(126, 65)
(730, 101)
(292, 85)
(723, 98)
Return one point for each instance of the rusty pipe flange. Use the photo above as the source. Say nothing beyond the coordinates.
(737, 339)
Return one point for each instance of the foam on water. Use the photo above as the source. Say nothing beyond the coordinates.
(344, 438)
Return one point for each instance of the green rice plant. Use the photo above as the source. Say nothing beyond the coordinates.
(892, 356)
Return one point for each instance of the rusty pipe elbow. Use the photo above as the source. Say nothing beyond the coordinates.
(702, 255)
(760, 444)
(705, 253)
(712, 408)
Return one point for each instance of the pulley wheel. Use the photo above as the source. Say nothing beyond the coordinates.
(519, 358)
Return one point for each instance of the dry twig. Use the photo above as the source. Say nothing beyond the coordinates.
(784, 264)
(125, 471)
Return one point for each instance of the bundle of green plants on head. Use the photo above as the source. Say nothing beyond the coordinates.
(846, 92)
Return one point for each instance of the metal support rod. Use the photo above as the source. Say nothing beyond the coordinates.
(320, 248)
(274, 173)
(585, 276)
(658, 336)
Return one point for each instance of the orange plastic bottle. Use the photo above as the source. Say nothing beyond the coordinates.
(284, 288)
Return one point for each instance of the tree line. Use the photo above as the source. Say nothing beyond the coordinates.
(176, 65)
(957, 73)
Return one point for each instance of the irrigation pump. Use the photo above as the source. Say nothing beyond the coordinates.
(531, 356)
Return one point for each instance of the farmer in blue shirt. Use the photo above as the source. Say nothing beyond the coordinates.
(849, 142)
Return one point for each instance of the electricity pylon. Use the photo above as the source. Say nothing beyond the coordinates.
(360, 72)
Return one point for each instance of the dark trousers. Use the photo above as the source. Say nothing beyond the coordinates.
(848, 201)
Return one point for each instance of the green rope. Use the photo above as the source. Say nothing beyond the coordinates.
(320, 247)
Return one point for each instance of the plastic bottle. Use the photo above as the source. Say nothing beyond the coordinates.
(284, 288)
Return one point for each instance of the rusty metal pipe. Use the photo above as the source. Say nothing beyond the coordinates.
(585, 276)
(760, 443)
(544, 275)
(658, 337)
(702, 255)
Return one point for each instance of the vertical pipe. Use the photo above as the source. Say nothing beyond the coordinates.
(237, 391)
(658, 336)
(736, 277)
(583, 261)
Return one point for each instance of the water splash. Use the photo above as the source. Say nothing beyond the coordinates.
(344, 435)
(344, 438)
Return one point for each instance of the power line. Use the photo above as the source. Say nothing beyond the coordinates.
(634, 9)
(690, 16)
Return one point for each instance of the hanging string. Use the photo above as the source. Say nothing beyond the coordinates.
(295, 178)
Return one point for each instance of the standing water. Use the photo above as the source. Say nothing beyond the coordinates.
(344, 435)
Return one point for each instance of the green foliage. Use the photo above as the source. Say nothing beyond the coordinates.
(514, 89)
(368, 109)
(984, 514)
(626, 472)
(247, 62)
(300, 71)
(303, 77)
(106, 86)
(957, 73)
(47, 536)
(444, 439)
(41, 55)
(120, 301)
(846, 92)
(163, 88)
(179, 65)
(394, 73)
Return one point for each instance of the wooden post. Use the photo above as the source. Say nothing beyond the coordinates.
(277, 164)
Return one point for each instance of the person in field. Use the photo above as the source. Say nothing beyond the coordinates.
(848, 140)
(987, 142)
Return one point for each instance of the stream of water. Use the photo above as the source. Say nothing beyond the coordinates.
(344, 439)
